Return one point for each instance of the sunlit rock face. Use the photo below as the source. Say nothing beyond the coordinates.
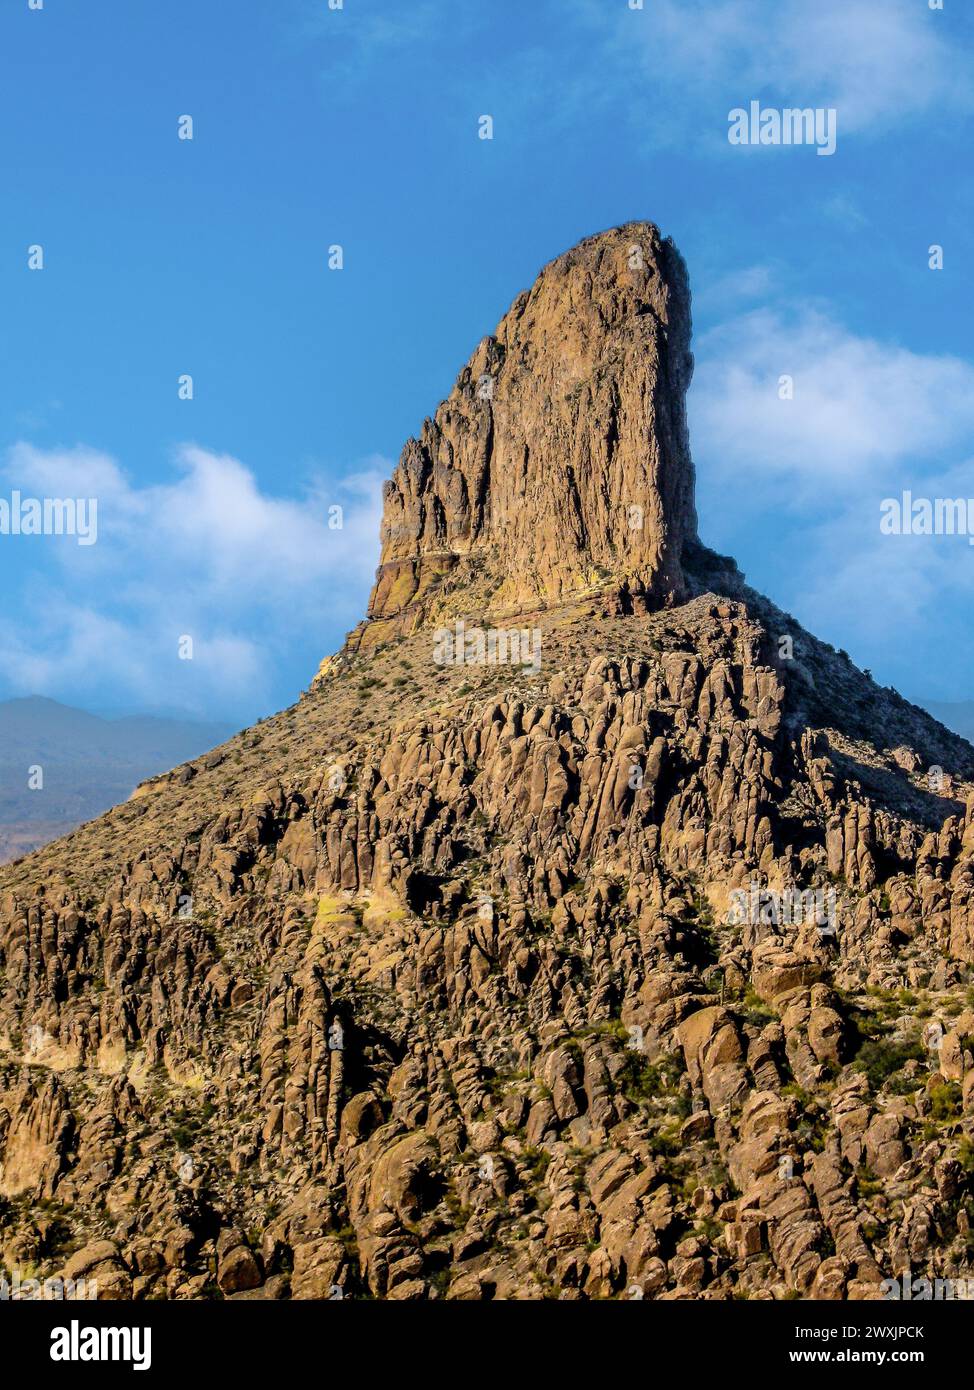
(560, 459)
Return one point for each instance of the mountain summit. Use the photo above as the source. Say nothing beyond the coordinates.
(638, 968)
(561, 454)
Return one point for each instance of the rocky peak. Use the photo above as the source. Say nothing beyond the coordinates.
(560, 460)
(648, 972)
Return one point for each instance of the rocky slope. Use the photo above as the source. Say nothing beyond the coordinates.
(478, 981)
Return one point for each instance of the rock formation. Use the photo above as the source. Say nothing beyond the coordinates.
(645, 972)
(561, 455)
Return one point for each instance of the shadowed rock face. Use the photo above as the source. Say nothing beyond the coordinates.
(560, 458)
(494, 981)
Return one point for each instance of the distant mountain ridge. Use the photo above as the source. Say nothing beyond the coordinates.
(87, 764)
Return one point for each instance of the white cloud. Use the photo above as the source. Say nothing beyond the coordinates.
(879, 62)
(860, 406)
(899, 602)
(793, 488)
(209, 555)
(846, 212)
(733, 289)
(350, 44)
(676, 66)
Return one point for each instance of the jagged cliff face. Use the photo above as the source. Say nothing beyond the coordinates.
(560, 457)
(645, 973)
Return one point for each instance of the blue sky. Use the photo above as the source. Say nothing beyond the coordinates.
(359, 126)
